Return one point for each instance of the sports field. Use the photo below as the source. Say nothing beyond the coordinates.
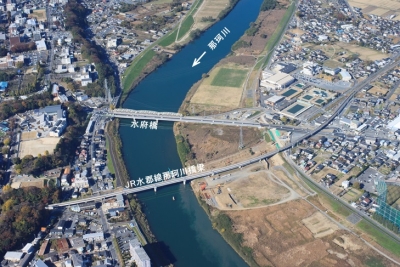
(38, 146)
(222, 88)
(229, 77)
(28, 135)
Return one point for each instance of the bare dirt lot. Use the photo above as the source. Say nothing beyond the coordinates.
(38, 146)
(213, 142)
(278, 237)
(253, 190)
(378, 91)
(320, 225)
(39, 14)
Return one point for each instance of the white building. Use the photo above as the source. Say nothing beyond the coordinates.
(138, 254)
(112, 43)
(311, 68)
(13, 256)
(273, 100)
(58, 128)
(331, 70)
(345, 75)
(80, 181)
(395, 124)
(322, 38)
(94, 237)
(28, 248)
(41, 45)
(66, 60)
(345, 184)
(40, 263)
(278, 81)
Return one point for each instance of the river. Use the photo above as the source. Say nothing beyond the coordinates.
(181, 225)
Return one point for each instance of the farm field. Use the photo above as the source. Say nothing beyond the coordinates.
(383, 8)
(210, 8)
(223, 87)
(229, 77)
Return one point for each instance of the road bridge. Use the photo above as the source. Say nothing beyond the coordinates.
(177, 117)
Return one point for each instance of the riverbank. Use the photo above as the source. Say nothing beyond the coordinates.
(223, 224)
(173, 42)
(202, 98)
(229, 85)
(114, 144)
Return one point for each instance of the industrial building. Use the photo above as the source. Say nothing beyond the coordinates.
(273, 100)
(277, 81)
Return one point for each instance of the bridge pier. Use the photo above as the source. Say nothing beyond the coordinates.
(155, 189)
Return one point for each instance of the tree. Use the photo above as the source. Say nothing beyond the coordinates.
(5, 150)
(7, 205)
(3, 51)
(20, 65)
(268, 5)
(7, 141)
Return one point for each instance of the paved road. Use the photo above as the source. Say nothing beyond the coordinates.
(176, 117)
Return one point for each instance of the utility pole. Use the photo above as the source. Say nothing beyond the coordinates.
(241, 139)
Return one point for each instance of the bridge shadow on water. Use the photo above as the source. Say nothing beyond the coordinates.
(160, 254)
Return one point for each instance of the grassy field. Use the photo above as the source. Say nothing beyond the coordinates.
(171, 37)
(380, 237)
(135, 70)
(223, 95)
(229, 77)
(110, 163)
(185, 27)
(276, 36)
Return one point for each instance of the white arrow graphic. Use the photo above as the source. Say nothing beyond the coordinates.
(197, 60)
